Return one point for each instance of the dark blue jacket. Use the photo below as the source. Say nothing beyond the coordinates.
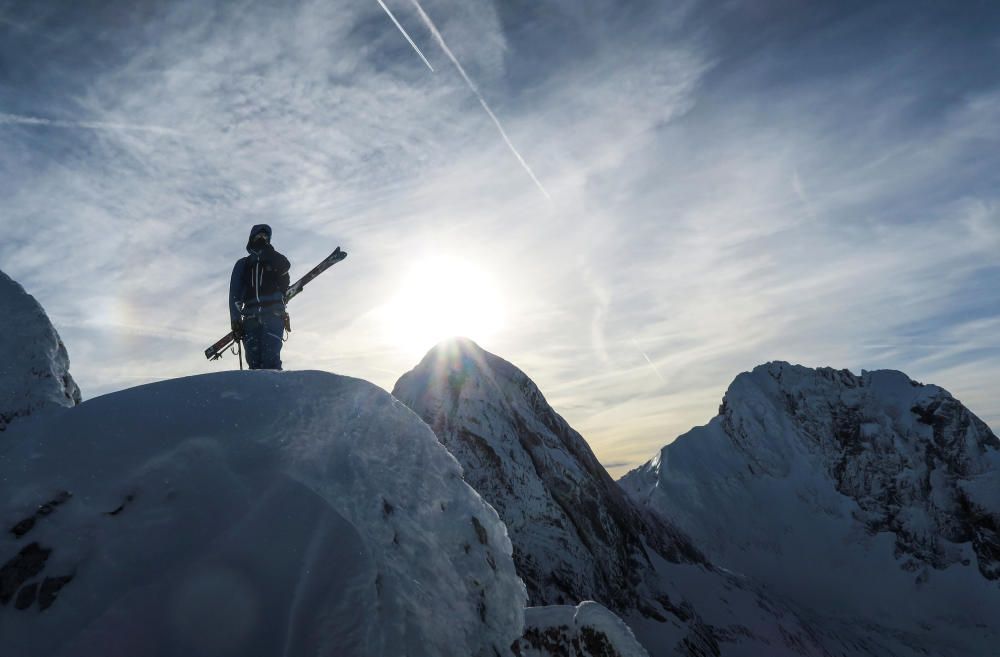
(259, 281)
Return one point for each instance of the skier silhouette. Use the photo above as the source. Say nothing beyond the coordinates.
(257, 300)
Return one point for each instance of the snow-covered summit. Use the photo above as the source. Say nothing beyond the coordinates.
(577, 536)
(870, 496)
(247, 513)
(34, 365)
(912, 456)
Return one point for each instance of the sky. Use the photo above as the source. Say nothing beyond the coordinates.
(633, 202)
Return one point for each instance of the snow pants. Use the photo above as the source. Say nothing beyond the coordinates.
(262, 340)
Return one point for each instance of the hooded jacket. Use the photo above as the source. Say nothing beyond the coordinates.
(260, 280)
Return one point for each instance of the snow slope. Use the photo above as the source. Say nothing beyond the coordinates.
(867, 498)
(247, 513)
(576, 536)
(34, 366)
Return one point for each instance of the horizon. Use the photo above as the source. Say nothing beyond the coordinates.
(631, 204)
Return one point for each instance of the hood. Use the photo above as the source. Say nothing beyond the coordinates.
(259, 228)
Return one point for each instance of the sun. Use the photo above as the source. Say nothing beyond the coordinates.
(443, 297)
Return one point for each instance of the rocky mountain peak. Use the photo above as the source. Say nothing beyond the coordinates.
(870, 492)
(840, 412)
(892, 444)
(575, 534)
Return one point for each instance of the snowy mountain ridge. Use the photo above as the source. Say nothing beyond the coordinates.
(869, 496)
(260, 513)
(34, 365)
(575, 536)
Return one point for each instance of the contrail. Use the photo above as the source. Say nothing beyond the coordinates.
(482, 101)
(90, 125)
(405, 35)
(655, 369)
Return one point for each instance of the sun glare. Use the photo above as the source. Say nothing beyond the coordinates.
(443, 297)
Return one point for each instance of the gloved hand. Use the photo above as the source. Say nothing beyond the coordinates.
(238, 330)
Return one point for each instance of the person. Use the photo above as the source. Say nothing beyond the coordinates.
(257, 300)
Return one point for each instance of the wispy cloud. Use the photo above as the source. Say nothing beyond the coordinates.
(17, 119)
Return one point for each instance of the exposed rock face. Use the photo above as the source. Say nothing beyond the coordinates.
(871, 495)
(34, 366)
(907, 454)
(576, 536)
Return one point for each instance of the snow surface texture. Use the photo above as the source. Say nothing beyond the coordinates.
(867, 497)
(247, 513)
(587, 630)
(34, 366)
(576, 537)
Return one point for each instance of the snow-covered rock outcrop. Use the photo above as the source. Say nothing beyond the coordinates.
(587, 630)
(871, 497)
(247, 513)
(576, 536)
(34, 366)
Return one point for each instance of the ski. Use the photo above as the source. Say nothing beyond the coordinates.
(328, 262)
(216, 350)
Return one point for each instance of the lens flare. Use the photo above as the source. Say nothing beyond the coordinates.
(440, 298)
